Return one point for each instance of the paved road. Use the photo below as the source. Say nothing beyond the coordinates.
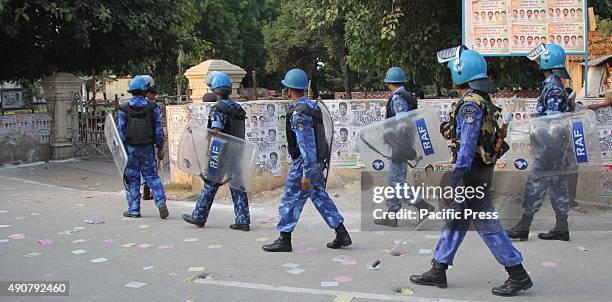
(41, 201)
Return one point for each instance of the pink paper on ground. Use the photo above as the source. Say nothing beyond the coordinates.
(310, 250)
(45, 242)
(549, 264)
(349, 262)
(343, 279)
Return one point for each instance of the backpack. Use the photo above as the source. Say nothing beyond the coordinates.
(140, 124)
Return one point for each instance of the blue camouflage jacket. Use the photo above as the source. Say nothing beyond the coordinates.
(219, 119)
(141, 102)
(303, 126)
(398, 104)
(552, 99)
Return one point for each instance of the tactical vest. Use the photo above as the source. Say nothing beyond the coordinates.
(235, 124)
(406, 96)
(489, 130)
(140, 125)
(323, 149)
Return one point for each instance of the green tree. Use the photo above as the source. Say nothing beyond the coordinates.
(39, 37)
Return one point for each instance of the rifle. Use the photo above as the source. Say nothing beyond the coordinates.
(502, 135)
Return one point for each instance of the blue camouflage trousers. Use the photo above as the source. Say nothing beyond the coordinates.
(490, 230)
(536, 189)
(397, 175)
(142, 160)
(294, 198)
(204, 203)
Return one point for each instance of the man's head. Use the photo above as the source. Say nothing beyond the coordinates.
(530, 40)
(270, 109)
(573, 12)
(558, 12)
(476, 15)
(522, 39)
(342, 108)
(271, 134)
(566, 40)
(492, 42)
(573, 39)
(529, 14)
(221, 85)
(478, 42)
(296, 81)
(565, 12)
(273, 158)
(515, 13)
(343, 135)
(522, 13)
(506, 42)
(536, 14)
(395, 78)
(514, 39)
(253, 121)
(490, 15)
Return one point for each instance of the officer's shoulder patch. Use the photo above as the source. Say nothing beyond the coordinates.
(469, 112)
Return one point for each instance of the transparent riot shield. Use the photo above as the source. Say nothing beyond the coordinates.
(328, 124)
(115, 145)
(413, 137)
(554, 145)
(217, 157)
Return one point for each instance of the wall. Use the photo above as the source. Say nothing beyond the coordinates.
(266, 123)
(24, 138)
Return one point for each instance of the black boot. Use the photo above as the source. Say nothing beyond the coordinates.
(189, 219)
(436, 276)
(559, 232)
(146, 193)
(240, 227)
(282, 244)
(386, 222)
(163, 212)
(521, 230)
(131, 215)
(342, 238)
(518, 280)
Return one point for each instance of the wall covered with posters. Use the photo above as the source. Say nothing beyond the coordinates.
(25, 137)
(265, 127)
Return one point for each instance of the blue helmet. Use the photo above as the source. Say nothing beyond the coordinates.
(138, 85)
(553, 57)
(395, 75)
(296, 79)
(220, 80)
(470, 66)
(210, 76)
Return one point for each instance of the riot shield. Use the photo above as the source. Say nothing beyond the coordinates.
(115, 145)
(328, 124)
(554, 145)
(217, 157)
(413, 137)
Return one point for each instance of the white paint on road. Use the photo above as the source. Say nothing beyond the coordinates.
(320, 292)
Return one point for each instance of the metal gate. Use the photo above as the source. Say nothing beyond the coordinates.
(90, 142)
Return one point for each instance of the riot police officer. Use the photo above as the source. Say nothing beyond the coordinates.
(141, 131)
(473, 132)
(308, 148)
(151, 95)
(400, 102)
(228, 117)
(553, 99)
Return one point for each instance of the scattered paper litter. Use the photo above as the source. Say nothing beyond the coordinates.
(349, 262)
(341, 258)
(166, 246)
(196, 269)
(343, 299)
(143, 226)
(296, 271)
(343, 279)
(79, 241)
(310, 250)
(69, 232)
(191, 239)
(425, 251)
(135, 284)
(3, 240)
(108, 241)
(144, 245)
(146, 268)
(549, 264)
(98, 260)
(4, 211)
(398, 254)
(432, 236)
(5, 225)
(582, 248)
(32, 255)
(45, 242)
(291, 265)
(21, 218)
(80, 204)
(79, 228)
(35, 214)
(94, 221)
(262, 239)
(373, 268)
(78, 252)
(128, 244)
(17, 236)
(329, 283)
(215, 246)
(404, 291)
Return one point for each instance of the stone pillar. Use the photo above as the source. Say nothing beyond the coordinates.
(62, 92)
(196, 76)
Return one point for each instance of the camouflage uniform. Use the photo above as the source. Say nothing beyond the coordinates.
(471, 170)
(552, 100)
(200, 213)
(141, 159)
(294, 197)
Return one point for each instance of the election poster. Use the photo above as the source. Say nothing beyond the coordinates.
(528, 11)
(491, 39)
(526, 37)
(569, 35)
